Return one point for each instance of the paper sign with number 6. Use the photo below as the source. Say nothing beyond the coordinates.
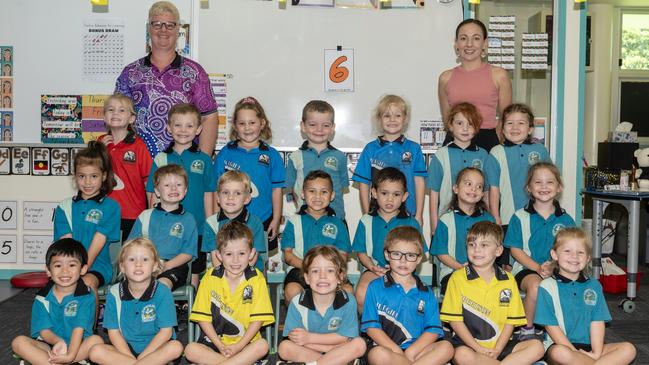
(339, 69)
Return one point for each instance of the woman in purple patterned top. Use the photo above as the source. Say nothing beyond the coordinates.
(163, 79)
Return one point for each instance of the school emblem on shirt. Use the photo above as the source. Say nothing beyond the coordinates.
(129, 156)
(197, 167)
(71, 309)
(176, 230)
(505, 297)
(533, 157)
(557, 227)
(263, 160)
(590, 297)
(331, 163)
(421, 307)
(477, 163)
(334, 323)
(247, 295)
(94, 216)
(330, 230)
(406, 157)
(377, 164)
(148, 313)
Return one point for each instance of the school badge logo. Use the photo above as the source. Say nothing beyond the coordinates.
(71, 309)
(590, 297)
(246, 297)
(255, 191)
(94, 216)
(176, 230)
(477, 163)
(406, 157)
(421, 307)
(197, 167)
(557, 227)
(148, 313)
(330, 230)
(129, 156)
(334, 323)
(505, 297)
(263, 160)
(331, 163)
(533, 157)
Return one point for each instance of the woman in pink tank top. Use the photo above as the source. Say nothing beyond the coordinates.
(475, 81)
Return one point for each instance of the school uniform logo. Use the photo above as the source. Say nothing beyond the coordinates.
(406, 157)
(377, 164)
(71, 309)
(533, 157)
(94, 216)
(330, 231)
(129, 156)
(246, 297)
(334, 323)
(176, 230)
(148, 313)
(590, 297)
(557, 227)
(197, 167)
(477, 163)
(263, 160)
(421, 307)
(331, 163)
(505, 297)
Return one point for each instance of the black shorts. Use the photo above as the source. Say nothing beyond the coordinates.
(503, 259)
(444, 283)
(272, 244)
(522, 274)
(200, 263)
(509, 347)
(100, 278)
(295, 276)
(126, 226)
(136, 354)
(177, 276)
(579, 346)
(204, 340)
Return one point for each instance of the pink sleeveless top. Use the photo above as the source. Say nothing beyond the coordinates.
(476, 87)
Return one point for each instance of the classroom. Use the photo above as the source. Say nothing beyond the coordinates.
(406, 82)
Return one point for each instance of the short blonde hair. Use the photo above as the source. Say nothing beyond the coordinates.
(164, 7)
(330, 253)
(146, 243)
(237, 177)
(384, 103)
(569, 234)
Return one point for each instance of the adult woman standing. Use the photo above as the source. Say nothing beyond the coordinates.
(163, 79)
(475, 81)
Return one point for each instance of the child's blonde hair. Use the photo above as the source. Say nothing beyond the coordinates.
(231, 231)
(406, 234)
(485, 229)
(171, 169)
(573, 233)
(148, 244)
(237, 177)
(126, 103)
(184, 108)
(384, 103)
(250, 103)
(330, 253)
(543, 165)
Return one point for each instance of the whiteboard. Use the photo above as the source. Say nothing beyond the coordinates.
(278, 57)
(47, 37)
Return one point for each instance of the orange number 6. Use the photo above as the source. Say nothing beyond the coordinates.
(338, 73)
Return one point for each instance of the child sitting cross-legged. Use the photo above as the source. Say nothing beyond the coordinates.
(232, 304)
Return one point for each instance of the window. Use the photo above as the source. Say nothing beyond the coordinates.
(635, 42)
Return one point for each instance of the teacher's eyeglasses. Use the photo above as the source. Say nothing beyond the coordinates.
(167, 25)
(397, 255)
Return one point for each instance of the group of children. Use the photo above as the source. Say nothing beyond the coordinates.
(230, 210)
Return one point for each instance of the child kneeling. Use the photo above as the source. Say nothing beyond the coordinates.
(321, 323)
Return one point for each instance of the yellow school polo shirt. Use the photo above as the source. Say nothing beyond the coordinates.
(231, 312)
(484, 308)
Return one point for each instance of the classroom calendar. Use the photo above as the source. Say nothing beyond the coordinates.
(103, 49)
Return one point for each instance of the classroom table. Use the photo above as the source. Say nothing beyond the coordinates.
(631, 201)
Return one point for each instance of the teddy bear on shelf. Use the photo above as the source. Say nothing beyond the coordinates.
(642, 173)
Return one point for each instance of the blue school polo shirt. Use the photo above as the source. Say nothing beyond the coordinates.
(76, 310)
(402, 154)
(404, 317)
(530, 232)
(450, 235)
(327, 230)
(172, 232)
(329, 160)
(216, 221)
(447, 162)
(581, 302)
(97, 214)
(198, 167)
(513, 161)
(264, 166)
(340, 318)
(373, 245)
(141, 319)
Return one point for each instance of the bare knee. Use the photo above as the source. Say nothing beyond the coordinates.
(192, 350)
(19, 343)
(174, 349)
(285, 349)
(97, 353)
(464, 355)
(560, 354)
(260, 347)
(166, 282)
(379, 355)
(359, 346)
(628, 350)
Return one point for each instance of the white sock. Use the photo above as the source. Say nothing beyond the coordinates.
(312, 363)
